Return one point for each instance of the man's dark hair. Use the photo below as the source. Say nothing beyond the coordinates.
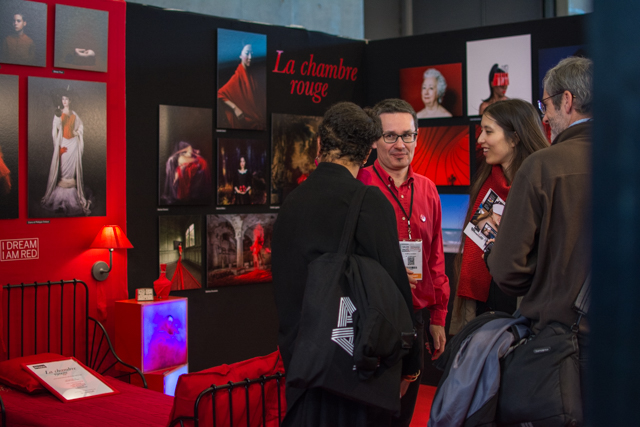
(348, 131)
(395, 105)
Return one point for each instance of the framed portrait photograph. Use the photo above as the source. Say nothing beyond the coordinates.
(67, 145)
(434, 91)
(242, 80)
(23, 30)
(82, 38)
(239, 249)
(442, 155)
(9, 158)
(497, 69)
(294, 146)
(180, 250)
(242, 172)
(185, 150)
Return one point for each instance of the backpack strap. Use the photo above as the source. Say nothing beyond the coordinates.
(346, 242)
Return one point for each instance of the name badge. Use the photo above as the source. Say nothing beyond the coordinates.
(411, 251)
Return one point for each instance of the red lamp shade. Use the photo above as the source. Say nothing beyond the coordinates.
(111, 237)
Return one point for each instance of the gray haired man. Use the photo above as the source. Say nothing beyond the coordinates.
(543, 250)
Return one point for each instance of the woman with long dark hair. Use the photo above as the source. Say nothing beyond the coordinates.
(511, 131)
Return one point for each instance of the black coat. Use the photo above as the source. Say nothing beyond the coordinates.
(309, 224)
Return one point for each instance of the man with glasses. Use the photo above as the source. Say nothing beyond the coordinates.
(543, 249)
(418, 215)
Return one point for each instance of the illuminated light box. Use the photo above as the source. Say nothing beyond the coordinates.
(152, 335)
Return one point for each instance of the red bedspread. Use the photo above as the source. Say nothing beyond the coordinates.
(133, 406)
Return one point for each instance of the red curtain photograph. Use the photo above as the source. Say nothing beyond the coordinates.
(442, 154)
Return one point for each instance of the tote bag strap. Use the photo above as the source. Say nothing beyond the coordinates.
(346, 246)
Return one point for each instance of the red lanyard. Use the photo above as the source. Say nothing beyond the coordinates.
(398, 201)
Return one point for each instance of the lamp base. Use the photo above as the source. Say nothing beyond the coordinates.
(100, 271)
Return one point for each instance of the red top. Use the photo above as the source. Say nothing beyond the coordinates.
(475, 280)
(432, 291)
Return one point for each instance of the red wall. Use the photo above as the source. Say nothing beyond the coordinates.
(64, 242)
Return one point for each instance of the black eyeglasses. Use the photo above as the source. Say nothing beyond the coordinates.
(391, 138)
(542, 107)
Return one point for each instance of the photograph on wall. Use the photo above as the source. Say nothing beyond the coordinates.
(454, 210)
(434, 91)
(185, 150)
(294, 147)
(180, 251)
(82, 38)
(23, 30)
(242, 80)
(239, 249)
(549, 58)
(442, 155)
(67, 146)
(9, 147)
(242, 171)
(498, 69)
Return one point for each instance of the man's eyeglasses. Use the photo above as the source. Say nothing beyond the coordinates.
(542, 107)
(391, 138)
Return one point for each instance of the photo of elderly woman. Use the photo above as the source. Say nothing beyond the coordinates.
(185, 149)
(488, 80)
(23, 31)
(434, 91)
(242, 172)
(81, 40)
(67, 148)
(9, 147)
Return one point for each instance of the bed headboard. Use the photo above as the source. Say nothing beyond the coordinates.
(48, 317)
(53, 317)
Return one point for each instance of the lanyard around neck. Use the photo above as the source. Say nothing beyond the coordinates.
(398, 201)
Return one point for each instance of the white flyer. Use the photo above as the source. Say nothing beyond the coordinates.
(68, 379)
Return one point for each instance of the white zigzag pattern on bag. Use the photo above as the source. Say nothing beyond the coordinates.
(345, 315)
(343, 335)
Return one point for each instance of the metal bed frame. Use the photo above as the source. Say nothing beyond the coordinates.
(230, 386)
(98, 353)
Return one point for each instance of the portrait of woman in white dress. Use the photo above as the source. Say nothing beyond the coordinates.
(65, 185)
(67, 137)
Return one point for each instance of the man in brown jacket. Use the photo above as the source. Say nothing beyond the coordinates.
(543, 249)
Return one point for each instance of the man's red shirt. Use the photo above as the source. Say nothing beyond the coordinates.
(432, 291)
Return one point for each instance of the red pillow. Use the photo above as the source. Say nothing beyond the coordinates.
(190, 385)
(12, 374)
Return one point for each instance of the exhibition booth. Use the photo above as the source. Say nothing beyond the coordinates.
(137, 117)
